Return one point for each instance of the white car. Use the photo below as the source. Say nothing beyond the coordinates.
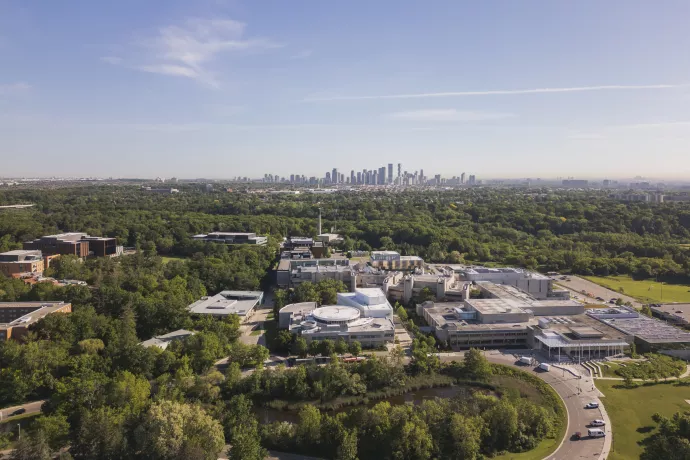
(591, 405)
(597, 423)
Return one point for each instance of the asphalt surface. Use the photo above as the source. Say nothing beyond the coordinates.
(577, 285)
(29, 408)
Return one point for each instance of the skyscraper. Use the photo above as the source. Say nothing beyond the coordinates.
(334, 176)
(462, 178)
(399, 170)
(382, 175)
(359, 178)
(352, 176)
(328, 177)
(421, 176)
(390, 173)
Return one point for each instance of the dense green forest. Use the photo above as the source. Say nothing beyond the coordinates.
(585, 232)
(109, 398)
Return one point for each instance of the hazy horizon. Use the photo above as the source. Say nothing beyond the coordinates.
(217, 89)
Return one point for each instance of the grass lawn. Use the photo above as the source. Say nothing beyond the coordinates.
(257, 332)
(608, 369)
(167, 259)
(543, 450)
(23, 419)
(648, 291)
(631, 412)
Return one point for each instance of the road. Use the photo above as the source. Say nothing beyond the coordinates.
(577, 285)
(567, 386)
(30, 408)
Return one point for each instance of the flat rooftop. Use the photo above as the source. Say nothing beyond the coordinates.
(38, 310)
(227, 303)
(358, 326)
(335, 313)
(20, 252)
(649, 329)
(504, 270)
(496, 306)
(299, 307)
(162, 341)
(503, 291)
(70, 236)
(680, 311)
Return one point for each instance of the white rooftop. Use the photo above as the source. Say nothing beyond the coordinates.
(335, 313)
(162, 341)
(238, 303)
(369, 301)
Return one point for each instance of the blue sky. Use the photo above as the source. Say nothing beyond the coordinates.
(219, 88)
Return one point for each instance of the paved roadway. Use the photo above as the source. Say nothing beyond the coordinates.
(568, 387)
(30, 407)
(577, 285)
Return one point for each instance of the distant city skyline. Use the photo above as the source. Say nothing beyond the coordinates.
(219, 89)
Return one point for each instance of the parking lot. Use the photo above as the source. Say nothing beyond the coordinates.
(576, 285)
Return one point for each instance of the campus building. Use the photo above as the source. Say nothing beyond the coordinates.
(75, 243)
(21, 261)
(291, 273)
(232, 238)
(443, 287)
(522, 311)
(370, 302)
(650, 334)
(162, 341)
(392, 260)
(16, 317)
(336, 322)
(240, 303)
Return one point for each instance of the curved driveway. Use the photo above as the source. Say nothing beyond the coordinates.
(567, 386)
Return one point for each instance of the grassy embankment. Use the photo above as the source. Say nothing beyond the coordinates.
(647, 291)
(167, 259)
(631, 412)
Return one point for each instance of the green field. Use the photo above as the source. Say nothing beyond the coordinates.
(631, 412)
(648, 291)
(168, 259)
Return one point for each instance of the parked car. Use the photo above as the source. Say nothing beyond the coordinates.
(596, 433)
(600, 299)
(577, 435)
(597, 422)
(19, 411)
(592, 405)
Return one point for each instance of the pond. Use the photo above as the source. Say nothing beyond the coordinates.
(268, 415)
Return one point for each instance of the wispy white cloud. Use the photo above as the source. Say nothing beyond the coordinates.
(188, 49)
(586, 136)
(112, 60)
(13, 88)
(203, 126)
(665, 124)
(501, 92)
(446, 115)
(304, 54)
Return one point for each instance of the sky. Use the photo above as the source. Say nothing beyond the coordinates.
(225, 88)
